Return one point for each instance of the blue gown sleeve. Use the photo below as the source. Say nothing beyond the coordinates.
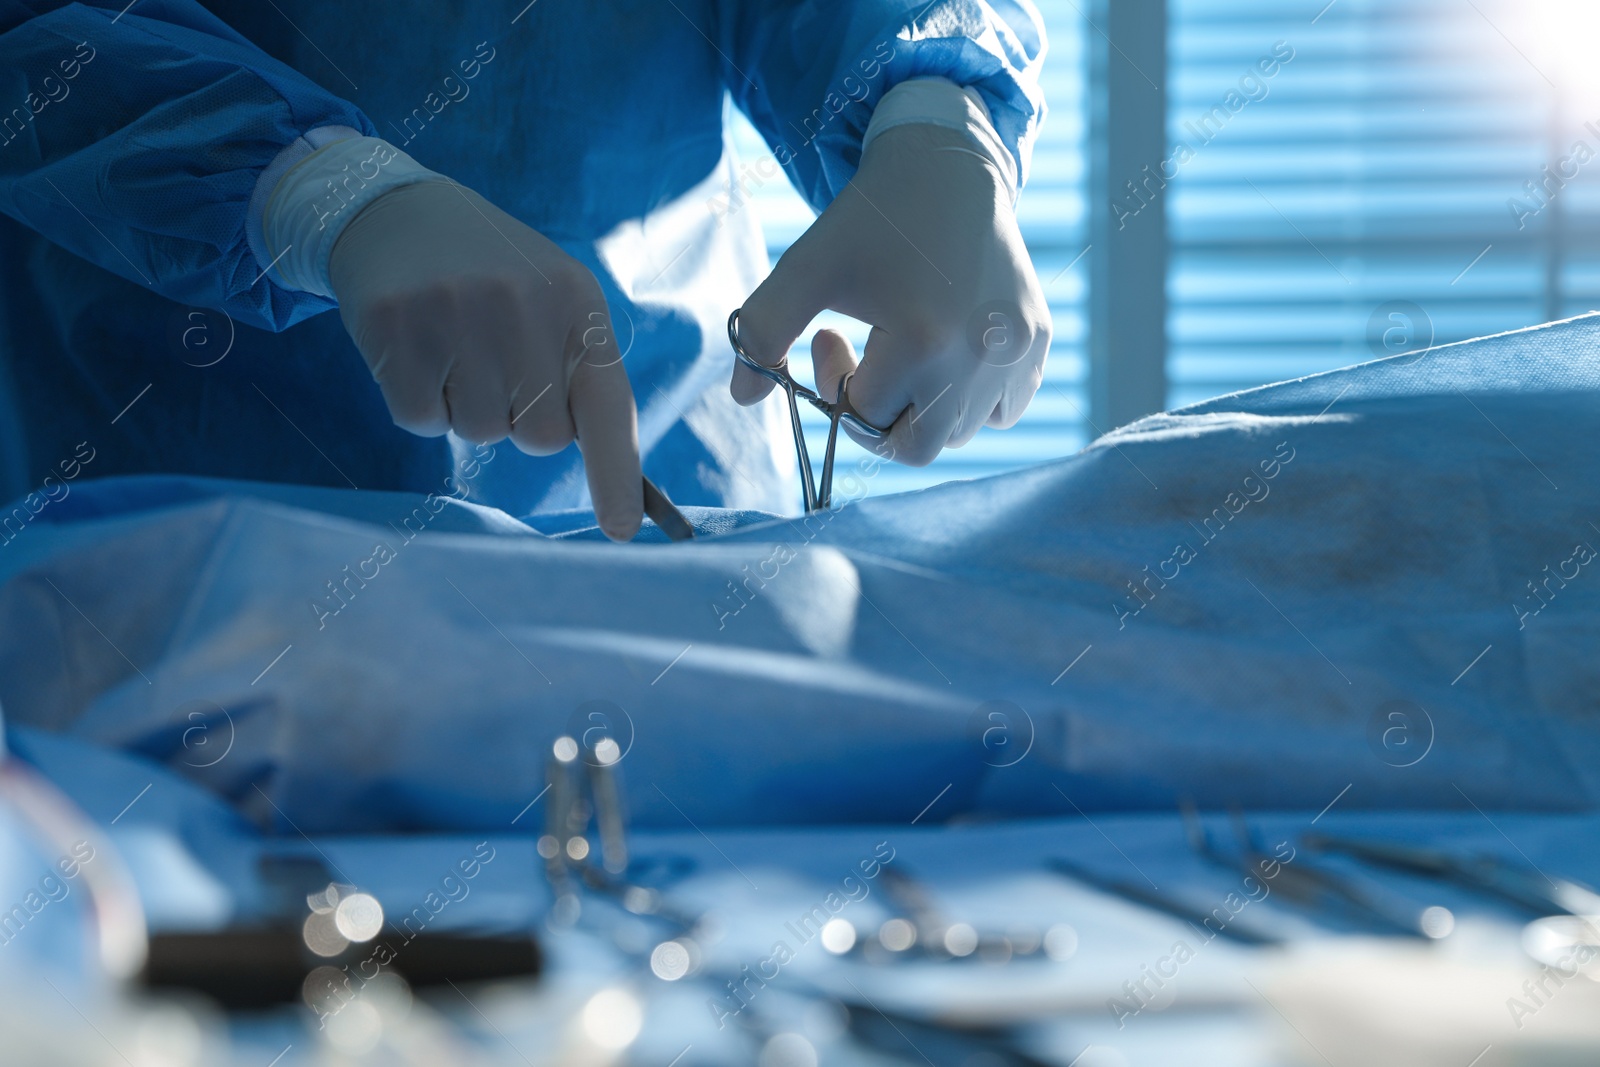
(134, 139)
(809, 73)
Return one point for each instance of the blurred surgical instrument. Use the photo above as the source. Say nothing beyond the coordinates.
(1485, 873)
(1312, 887)
(1161, 902)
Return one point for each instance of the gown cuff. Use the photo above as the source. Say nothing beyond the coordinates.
(293, 153)
(941, 102)
(317, 190)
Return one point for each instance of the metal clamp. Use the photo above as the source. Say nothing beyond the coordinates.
(837, 411)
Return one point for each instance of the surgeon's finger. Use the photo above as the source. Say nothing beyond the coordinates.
(475, 395)
(775, 314)
(1015, 399)
(975, 409)
(881, 388)
(541, 424)
(601, 401)
(409, 361)
(925, 428)
(415, 398)
(832, 357)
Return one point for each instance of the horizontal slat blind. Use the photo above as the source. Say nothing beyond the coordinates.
(1374, 167)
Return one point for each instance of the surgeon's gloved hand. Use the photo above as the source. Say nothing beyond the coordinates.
(923, 245)
(473, 322)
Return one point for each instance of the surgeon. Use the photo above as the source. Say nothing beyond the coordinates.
(530, 224)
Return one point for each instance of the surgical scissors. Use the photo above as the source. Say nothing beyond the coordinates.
(816, 498)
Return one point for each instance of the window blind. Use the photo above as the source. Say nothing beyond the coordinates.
(1358, 202)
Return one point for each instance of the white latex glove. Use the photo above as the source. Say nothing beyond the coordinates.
(923, 245)
(472, 322)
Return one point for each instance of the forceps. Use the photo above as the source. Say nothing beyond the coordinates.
(816, 498)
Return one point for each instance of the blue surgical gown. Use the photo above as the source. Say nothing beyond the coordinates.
(135, 318)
